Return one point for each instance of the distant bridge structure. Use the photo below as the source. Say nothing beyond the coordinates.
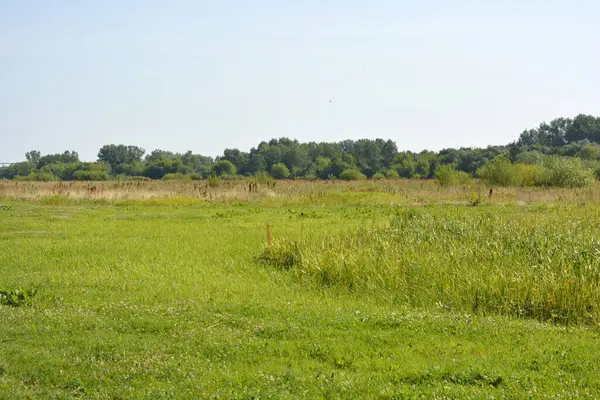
(5, 164)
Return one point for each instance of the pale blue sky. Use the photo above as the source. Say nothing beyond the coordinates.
(204, 76)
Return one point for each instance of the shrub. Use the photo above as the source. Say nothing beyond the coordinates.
(175, 176)
(134, 169)
(139, 179)
(17, 169)
(283, 255)
(17, 297)
(159, 168)
(378, 176)
(351, 174)
(447, 175)
(462, 178)
(64, 171)
(531, 157)
(91, 175)
(38, 176)
(392, 174)
(213, 181)
(224, 167)
(565, 172)
(263, 178)
(499, 172)
(406, 168)
(280, 171)
(444, 174)
(590, 152)
(528, 175)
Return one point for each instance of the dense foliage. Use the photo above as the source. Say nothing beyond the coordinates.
(564, 152)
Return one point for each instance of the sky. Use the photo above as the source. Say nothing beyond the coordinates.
(208, 75)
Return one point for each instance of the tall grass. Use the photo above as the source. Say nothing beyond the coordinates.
(565, 172)
(547, 268)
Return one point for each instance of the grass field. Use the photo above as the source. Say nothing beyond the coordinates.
(387, 290)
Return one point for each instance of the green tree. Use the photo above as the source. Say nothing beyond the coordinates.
(224, 167)
(117, 155)
(256, 164)
(62, 170)
(423, 167)
(583, 127)
(197, 163)
(407, 168)
(321, 167)
(136, 168)
(158, 169)
(237, 158)
(17, 169)
(388, 152)
(368, 156)
(66, 157)
(33, 157)
(280, 171)
(295, 157)
(159, 154)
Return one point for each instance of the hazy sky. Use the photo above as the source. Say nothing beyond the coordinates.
(207, 75)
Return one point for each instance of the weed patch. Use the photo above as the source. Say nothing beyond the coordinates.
(16, 297)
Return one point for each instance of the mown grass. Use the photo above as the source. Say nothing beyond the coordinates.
(167, 298)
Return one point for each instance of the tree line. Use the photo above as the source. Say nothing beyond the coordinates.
(284, 158)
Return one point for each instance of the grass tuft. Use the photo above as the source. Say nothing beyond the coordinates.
(16, 297)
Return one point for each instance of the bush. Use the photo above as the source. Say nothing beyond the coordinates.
(280, 171)
(447, 175)
(158, 169)
(175, 176)
(64, 171)
(531, 157)
(134, 169)
(528, 175)
(18, 169)
(392, 174)
(555, 171)
(213, 181)
(17, 297)
(91, 175)
(462, 178)
(224, 167)
(499, 172)
(351, 174)
(565, 172)
(139, 179)
(406, 168)
(38, 176)
(378, 176)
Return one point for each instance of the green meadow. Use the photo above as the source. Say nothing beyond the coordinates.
(372, 290)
